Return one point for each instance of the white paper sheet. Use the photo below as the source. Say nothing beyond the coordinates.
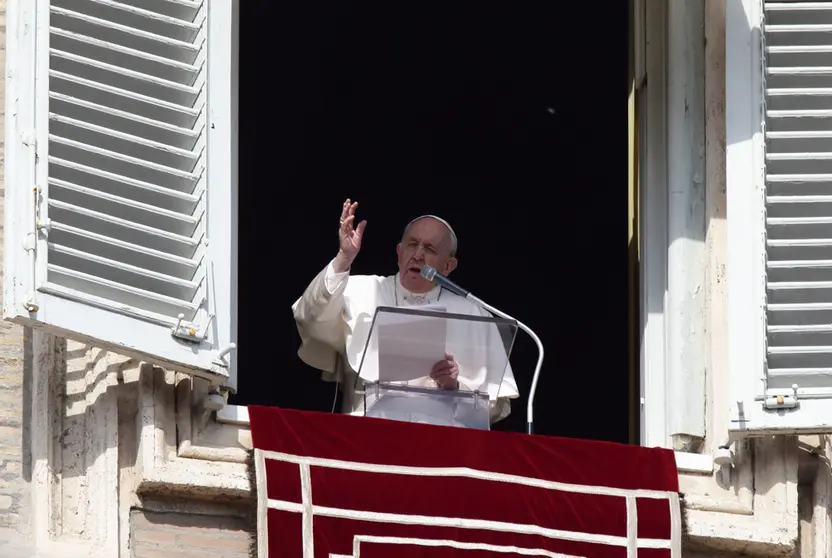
(410, 345)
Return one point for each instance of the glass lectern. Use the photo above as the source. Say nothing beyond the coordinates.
(403, 346)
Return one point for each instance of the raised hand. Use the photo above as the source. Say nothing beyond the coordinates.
(349, 237)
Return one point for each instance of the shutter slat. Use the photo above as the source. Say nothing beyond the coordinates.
(121, 229)
(796, 72)
(123, 78)
(136, 60)
(123, 208)
(799, 177)
(121, 121)
(119, 11)
(127, 274)
(154, 151)
(107, 158)
(789, 264)
(118, 250)
(797, 91)
(130, 37)
(798, 159)
(114, 97)
(797, 6)
(185, 10)
(800, 28)
(107, 291)
(123, 186)
(798, 114)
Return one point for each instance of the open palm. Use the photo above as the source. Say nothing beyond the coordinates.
(349, 235)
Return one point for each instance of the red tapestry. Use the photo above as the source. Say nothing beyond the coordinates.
(338, 485)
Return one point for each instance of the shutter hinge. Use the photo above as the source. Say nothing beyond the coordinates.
(29, 138)
(30, 244)
(781, 398)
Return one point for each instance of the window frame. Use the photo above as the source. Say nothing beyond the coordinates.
(653, 236)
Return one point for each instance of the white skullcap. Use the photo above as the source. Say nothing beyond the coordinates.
(454, 242)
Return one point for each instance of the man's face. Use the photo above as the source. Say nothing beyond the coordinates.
(428, 242)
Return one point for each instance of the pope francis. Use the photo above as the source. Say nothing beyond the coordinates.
(333, 309)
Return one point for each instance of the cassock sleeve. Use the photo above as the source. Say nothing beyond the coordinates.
(500, 409)
(318, 316)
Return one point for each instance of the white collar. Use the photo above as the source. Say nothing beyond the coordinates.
(405, 297)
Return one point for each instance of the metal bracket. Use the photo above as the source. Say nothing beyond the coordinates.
(190, 331)
(781, 399)
(186, 330)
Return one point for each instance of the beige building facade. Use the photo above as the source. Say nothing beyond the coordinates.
(105, 453)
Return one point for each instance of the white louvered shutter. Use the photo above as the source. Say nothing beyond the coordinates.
(133, 185)
(793, 391)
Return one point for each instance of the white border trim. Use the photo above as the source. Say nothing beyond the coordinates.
(698, 463)
(466, 523)
(632, 527)
(630, 540)
(262, 505)
(464, 472)
(307, 511)
(433, 543)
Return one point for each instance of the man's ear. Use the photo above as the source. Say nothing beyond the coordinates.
(450, 265)
(399, 249)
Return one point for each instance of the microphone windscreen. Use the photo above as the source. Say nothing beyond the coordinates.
(428, 272)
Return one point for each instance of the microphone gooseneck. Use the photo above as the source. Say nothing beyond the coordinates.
(430, 274)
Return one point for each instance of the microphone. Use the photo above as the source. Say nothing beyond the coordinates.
(431, 274)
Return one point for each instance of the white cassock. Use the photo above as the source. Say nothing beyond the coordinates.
(334, 316)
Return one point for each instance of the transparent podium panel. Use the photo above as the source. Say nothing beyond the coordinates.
(402, 349)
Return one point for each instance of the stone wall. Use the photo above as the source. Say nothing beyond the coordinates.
(180, 535)
(12, 484)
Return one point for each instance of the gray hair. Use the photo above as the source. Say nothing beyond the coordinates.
(454, 242)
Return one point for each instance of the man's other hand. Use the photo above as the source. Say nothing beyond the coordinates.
(445, 372)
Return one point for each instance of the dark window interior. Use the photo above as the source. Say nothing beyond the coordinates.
(506, 118)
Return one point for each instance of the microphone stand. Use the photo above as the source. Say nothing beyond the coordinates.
(538, 366)
(430, 274)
